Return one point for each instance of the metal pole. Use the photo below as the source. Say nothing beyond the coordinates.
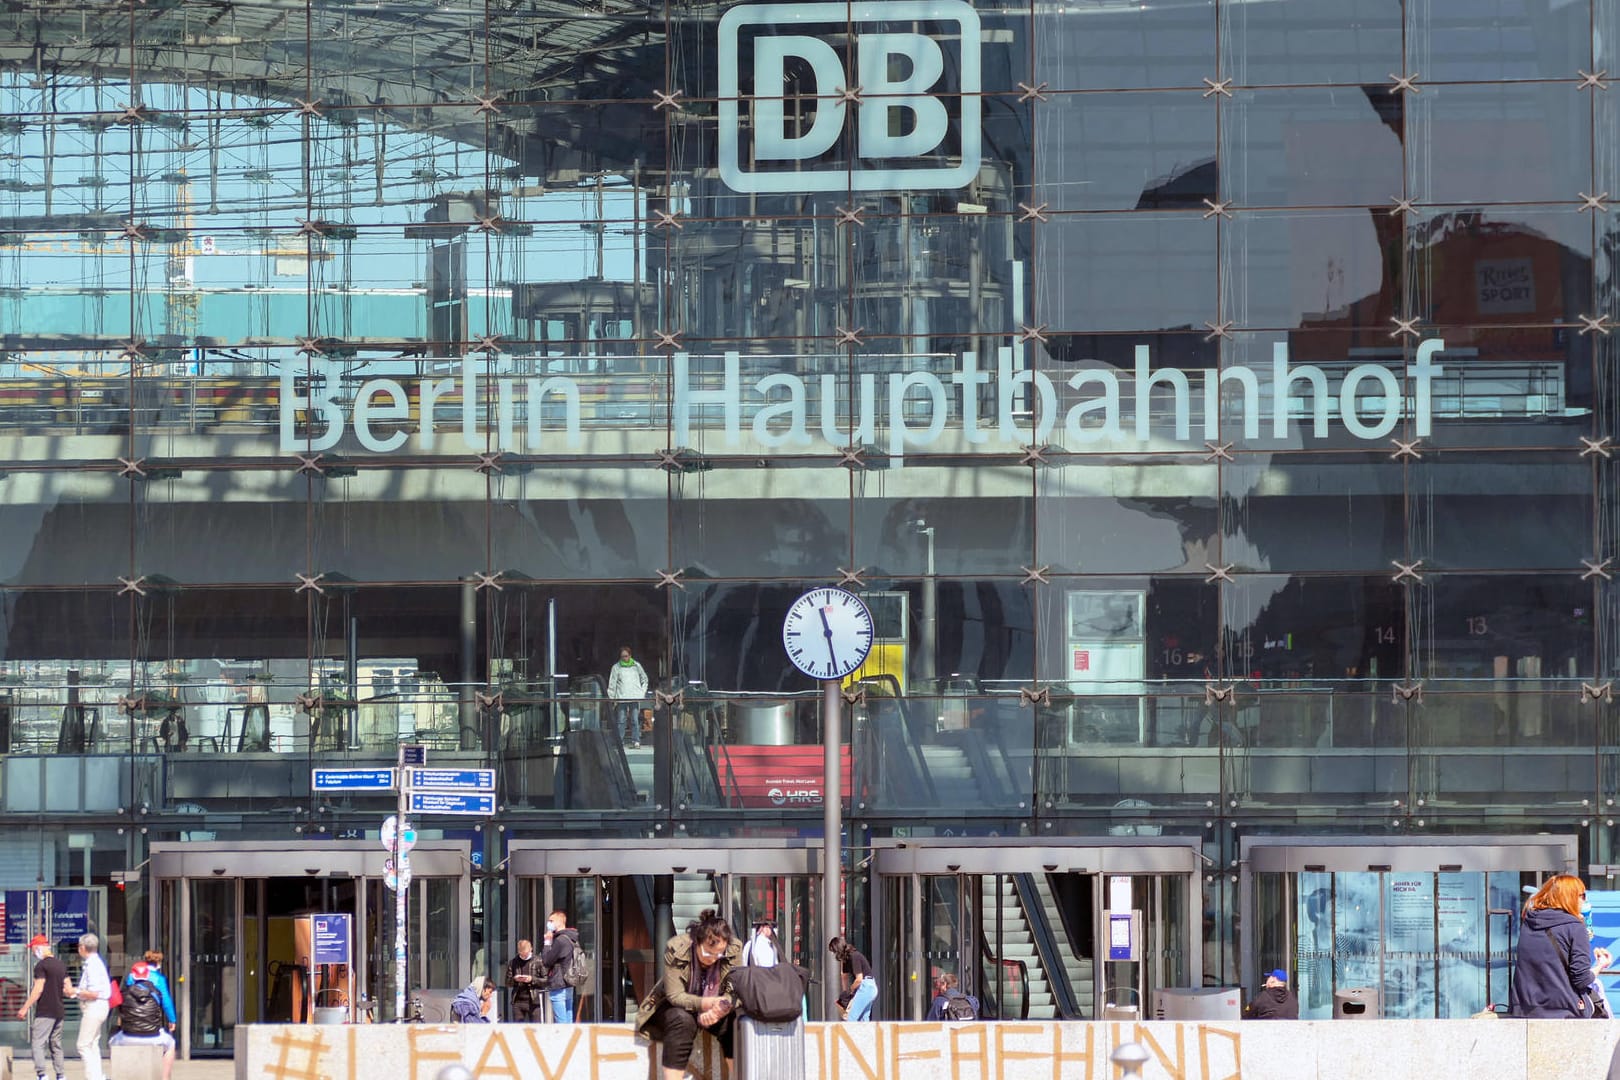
(930, 657)
(402, 885)
(470, 733)
(832, 811)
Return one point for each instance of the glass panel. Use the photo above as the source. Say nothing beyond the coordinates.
(441, 964)
(1311, 41)
(1452, 163)
(1123, 151)
(1488, 40)
(1408, 959)
(212, 967)
(1465, 949)
(1357, 909)
(1311, 147)
(1094, 44)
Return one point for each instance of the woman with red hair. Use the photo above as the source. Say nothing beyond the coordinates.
(1553, 969)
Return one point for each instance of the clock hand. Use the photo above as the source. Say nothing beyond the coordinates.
(827, 630)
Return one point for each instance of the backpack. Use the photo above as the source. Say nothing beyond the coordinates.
(141, 1012)
(577, 968)
(959, 1008)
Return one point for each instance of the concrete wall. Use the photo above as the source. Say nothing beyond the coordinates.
(1306, 1050)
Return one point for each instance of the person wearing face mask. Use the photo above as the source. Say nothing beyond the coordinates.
(525, 974)
(626, 687)
(561, 941)
(694, 994)
(51, 985)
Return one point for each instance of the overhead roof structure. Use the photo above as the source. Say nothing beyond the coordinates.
(525, 79)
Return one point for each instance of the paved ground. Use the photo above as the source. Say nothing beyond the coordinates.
(183, 1070)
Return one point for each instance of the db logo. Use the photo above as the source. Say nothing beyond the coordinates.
(914, 125)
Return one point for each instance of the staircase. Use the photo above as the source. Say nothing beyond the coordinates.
(693, 893)
(1017, 943)
(952, 775)
(1077, 969)
(640, 763)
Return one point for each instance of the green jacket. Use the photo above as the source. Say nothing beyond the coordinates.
(678, 976)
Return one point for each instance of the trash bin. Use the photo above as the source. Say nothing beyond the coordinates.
(762, 723)
(334, 1011)
(1358, 1003)
(1122, 1011)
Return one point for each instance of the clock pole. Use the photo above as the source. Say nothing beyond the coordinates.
(832, 813)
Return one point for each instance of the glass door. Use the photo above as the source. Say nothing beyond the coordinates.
(794, 901)
(1033, 930)
(1434, 944)
(212, 936)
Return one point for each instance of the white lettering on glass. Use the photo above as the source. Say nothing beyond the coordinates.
(912, 97)
(997, 409)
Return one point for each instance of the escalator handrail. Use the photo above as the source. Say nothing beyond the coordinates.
(994, 964)
(893, 732)
(1057, 975)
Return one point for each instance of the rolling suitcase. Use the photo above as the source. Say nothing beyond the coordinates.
(770, 1051)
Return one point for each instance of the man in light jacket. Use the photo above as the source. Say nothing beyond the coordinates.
(94, 992)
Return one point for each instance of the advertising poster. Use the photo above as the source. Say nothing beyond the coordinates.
(1408, 960)
(1606, 934)
(1460, 925)
(331, 934)
(781, 776)
(1314, 950)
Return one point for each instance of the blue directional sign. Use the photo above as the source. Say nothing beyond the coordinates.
(413, 754)
(453, 779)
(447, 802)
(352, 780)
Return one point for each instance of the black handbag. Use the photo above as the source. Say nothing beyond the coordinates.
(772, 994)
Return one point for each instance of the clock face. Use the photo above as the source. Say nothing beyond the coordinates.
(827, 633)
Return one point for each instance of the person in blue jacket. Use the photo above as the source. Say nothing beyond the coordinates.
(1553, 971)
(151, 1033)
(471, 1006)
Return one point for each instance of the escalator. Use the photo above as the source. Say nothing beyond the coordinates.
(1073, 962)
(1025, 919)
(932, 756)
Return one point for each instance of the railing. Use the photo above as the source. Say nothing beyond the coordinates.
(636, 392)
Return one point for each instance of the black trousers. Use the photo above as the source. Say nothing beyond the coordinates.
(526, 1008)
(678, 1029)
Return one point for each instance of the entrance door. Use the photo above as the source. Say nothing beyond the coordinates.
(1432, 925)
(228, 916)
(627, 898)
(1034, 931)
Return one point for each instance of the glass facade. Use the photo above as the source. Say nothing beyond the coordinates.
(1214, 401)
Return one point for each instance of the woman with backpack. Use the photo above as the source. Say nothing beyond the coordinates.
(950, 1003)
(146, 1014)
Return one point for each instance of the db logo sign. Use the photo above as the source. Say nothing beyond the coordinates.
(849, 96)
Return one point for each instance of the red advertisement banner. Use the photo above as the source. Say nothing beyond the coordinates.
(780, 777)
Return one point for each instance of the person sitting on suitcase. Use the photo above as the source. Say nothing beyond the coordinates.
(950, 1004)
(694, 994)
